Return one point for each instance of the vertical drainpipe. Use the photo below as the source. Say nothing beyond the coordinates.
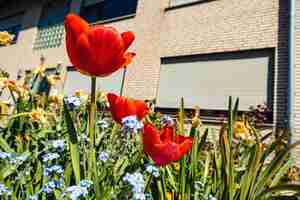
(291, 68)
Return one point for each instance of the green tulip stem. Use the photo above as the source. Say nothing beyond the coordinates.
(92, 149)
(92, 112)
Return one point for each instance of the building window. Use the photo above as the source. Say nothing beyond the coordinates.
(12, 24)
(207, 81)
(111, 83)
(106, 10)
(174, 3)
(50, 27)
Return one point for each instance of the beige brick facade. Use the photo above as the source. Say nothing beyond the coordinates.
(202, 28)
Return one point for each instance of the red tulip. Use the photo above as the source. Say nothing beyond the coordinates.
(121, 107)
(165, 147)
(97, 50)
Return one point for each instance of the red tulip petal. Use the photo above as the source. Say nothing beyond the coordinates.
(112, 99)
(74, 27)
(185, 147)
(128, 38)
(141, 109)
(126, 59)
(167, 133)
(121, 107)
(83, 46)
(102, 53)
(180, 139)
(166, 153)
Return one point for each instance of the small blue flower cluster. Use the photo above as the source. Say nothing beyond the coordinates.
(12, 158)
(50, 156)
(52, 185)
(58, 145)
(79, 191)
(86, 183)
(5, 155)
(103, 156)
(4, 190)
(131, 124)
(72, 102)
(103, 124)
(167, 120)
(152, 170)
(136, 180)
(54, 170)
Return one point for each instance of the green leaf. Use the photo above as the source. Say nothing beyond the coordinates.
(5, 146)
(73, 143)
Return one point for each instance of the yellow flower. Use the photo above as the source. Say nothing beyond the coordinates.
(176, 166)
(56, 99)
(169, 196)
(27, 137)
(4, 108)
(19, 138)
(38, 115)
(39, 70)
(53, 79)
(196, 119)
(6, 38)
(3, 82)
(21, 90)
(240, 130)
(78, 93)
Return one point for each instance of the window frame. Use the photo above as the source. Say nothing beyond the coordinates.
(110, 20)
(215, 115)
(171, 7)
(20, 24)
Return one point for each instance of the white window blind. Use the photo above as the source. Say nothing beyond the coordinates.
(209, 82)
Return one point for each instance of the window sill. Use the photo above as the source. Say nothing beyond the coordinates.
(187, 4)
(114, 19)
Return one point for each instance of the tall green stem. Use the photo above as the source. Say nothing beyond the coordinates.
(92, 149)
(92, 112)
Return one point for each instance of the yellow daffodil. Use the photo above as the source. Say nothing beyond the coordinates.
(169, 196)
(27, 136)
(39, 70)
(38, 115)
(78, 93)
(196, 119)
(176, 166)
(56, 99)
(6, 38)
(4, 108)
(3, 82)
(21, 90)
(53, 79)
(241, 131)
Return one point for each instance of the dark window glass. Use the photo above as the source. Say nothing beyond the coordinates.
(54, 12)
(107, 9)
(12, 25)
